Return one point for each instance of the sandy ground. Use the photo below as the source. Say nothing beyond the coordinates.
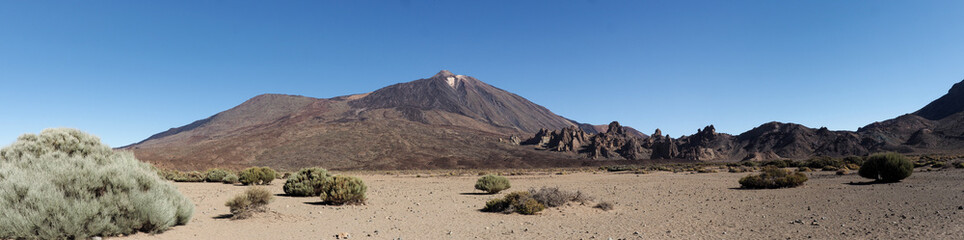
(651, 206)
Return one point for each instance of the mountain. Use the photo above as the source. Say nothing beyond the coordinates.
(457, 121)
(935, 128)
(445, 121)
(947, 105)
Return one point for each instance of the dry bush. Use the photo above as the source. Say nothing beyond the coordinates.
(520, 202)
(66, 184)
(553, 197)
(605, 206)
(772, 177)
(253, 200)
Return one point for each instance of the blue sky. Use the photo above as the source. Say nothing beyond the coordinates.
(124, 70)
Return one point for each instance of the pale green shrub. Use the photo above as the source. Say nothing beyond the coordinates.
(257, 176)
(231, 178)
(253, 200)
(192, 176)
(492, 183)
(65, 184)
(307, 182)
(215, 175)
(344, 190)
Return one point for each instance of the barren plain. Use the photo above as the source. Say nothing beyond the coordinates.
(660, 205)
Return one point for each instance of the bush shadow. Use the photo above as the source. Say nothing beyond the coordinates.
(224, 216)
(868, 183)
(475, 193)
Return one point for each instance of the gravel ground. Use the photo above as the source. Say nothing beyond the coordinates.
(660, 205)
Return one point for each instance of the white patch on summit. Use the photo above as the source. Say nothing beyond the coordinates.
(450, 81)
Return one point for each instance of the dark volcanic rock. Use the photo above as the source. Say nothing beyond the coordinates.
(615, 143)
(949, 104)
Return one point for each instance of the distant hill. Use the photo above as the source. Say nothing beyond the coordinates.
(936, 128)
(445, 121)
(457, 121)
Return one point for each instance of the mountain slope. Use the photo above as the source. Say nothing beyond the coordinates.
(949, 104)
(466, 96)
(446, 121)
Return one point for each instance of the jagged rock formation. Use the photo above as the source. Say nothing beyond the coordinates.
(615, 143)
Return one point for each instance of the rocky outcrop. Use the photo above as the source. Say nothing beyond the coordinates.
(615, 143)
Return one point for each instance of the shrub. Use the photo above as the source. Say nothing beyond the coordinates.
(804, 169)
(821, 162)
(529, 206)
(605, 206)
(66, 184)
(179, 176)
(215, 175)
(855, 160)
(520, 202)
(887, 167)
(852, 166)
(307, 182)
(553, 197)
(829, 168)
(843, 171)
(959, 165)
(344, 190)
(231, 178)
(257, 176)
(773, 178)
(245, 204)
(492, 184)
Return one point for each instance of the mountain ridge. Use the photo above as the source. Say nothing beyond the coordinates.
(457, 121)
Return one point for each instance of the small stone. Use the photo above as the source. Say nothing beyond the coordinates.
(343, 235)
(635, 233)
(96, 238)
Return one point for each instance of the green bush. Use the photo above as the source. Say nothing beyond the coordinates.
(959, 165)
(887, 167)
(307, 182)
(257, 176)
(66, 184)
(492, 184)
(215, 175)
(343, 190)
(253, 200)
(231, 178)
(772, 177)
(519, 202)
